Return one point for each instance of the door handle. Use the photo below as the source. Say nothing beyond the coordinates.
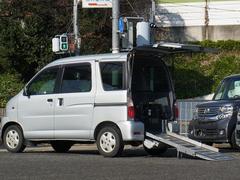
(49, 100)
(60, 101)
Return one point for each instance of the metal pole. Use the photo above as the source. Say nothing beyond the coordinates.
(152, 20)
(153, 12)
(206, 37)
(75, 27)
(115, 35)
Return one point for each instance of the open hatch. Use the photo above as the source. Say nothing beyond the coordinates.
(151, 84)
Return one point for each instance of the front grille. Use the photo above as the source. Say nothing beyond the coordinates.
(206, 132)
(211, 132)
(208, 111)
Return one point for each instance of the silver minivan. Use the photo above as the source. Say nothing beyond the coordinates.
(110, 99)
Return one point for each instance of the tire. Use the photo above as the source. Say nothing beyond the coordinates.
(155, 151)
(233, 142)
(208, 143)
(13, 139)
(61, 146)
(109, 142)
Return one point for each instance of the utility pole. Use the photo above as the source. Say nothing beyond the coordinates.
(75, 27)
(152, 20)
(153, 12)
(115, 33)
(206, 33)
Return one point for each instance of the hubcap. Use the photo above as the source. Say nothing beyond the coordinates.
(107, 142)
(12, 139)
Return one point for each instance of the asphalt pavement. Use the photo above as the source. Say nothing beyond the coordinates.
(84, 162)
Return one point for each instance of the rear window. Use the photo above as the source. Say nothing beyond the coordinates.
(112, 75)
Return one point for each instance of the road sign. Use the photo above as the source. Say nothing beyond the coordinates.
(121, 25)
(97, 3)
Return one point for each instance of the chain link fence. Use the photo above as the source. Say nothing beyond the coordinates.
(186, 109)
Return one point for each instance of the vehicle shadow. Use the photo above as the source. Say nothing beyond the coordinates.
(228, 150)
(136, 152)
(127, 153)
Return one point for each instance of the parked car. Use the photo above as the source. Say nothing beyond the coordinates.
(110, 99)
(215, 121)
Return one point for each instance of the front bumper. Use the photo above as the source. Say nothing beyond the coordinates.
(132, 130)
(209, 131)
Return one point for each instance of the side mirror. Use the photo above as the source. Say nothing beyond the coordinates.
(26, 92)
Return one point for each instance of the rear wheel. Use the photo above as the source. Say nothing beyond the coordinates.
(61, 146)
(109, 142)
(156, 151)
(233, 142)
(13, 139)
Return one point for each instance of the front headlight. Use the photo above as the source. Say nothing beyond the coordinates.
(226, 109)
(225, 112)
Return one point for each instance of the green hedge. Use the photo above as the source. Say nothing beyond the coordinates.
(10, 85)
(200, 74)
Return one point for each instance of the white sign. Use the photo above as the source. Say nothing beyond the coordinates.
(97, 3)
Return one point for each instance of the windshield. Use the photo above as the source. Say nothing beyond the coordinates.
(229, 89)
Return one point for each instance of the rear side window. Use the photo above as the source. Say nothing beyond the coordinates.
(76, 79)
(112, 75)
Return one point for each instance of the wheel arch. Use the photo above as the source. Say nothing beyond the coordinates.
(231, 129)
(104, 124)
(9, 124)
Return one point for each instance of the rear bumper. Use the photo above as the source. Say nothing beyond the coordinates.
(209, 131)
(132, 130)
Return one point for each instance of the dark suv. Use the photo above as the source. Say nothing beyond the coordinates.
(215, 121)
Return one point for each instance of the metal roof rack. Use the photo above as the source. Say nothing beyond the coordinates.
(168, 48)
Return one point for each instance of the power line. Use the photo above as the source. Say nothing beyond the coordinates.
(132, 8)
(198, 6)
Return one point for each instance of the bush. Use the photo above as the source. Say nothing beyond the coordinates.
(200, 74)
(10, 85)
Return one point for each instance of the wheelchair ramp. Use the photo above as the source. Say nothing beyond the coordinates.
(187, 146)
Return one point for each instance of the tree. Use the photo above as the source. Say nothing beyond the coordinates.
(27, 26)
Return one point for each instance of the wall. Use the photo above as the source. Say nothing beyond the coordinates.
(187, 21)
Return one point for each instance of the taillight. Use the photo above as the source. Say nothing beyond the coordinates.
(131, 112)
(176, 110)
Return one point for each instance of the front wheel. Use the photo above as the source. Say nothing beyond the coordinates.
(208, 143)
(233, 142)
(13, 139)
(109, 142)
(61, 146)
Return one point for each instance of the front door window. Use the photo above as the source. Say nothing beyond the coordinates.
(44, 83)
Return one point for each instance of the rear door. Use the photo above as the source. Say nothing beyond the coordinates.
(75, 101)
